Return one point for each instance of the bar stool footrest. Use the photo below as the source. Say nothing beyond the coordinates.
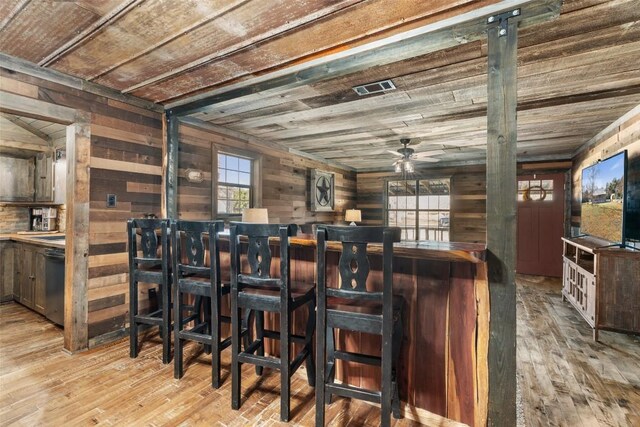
(264, 361)
(154, 318)
(195, 336)
(357, 357)
(346, 390)
(276, 336)
(298, 360)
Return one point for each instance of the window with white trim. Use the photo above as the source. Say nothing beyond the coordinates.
(234, 192)
(420, 207)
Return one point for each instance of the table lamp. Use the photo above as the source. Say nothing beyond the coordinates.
(353, 216)
(256, 215)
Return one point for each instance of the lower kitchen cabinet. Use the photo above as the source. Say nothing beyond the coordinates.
(27, 275)
(39, 291)
(29, 278)
(7, 270)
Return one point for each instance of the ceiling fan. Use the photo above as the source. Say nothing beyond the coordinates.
(408, 156)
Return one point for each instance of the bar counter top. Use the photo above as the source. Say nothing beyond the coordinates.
(426, 249)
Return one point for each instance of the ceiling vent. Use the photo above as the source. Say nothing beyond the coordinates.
(377, 87)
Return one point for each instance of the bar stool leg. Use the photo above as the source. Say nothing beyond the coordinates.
(246, 321)
(235, 350)
(177, 342)
(133, 312)
(311, 326)
(386, 374)
(215, 343)
(260, 336)
(320, 360)
(285, 380)
(331, 360)
(397, 342)
(206, 301)
(165, 330)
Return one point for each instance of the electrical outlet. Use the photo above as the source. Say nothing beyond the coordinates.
(111, 200)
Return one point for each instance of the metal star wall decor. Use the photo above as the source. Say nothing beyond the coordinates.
(321, 191)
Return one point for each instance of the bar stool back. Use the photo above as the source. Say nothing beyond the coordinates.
(351, 306)
(258, 291)
(192, 276)
(152, 267)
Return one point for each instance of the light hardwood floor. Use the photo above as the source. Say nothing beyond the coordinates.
(42, 385)
(566, 378)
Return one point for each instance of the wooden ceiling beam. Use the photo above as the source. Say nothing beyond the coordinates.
(90, 32)
(26, 126)
(21, 145)
(430, 38)
(16, 10)
(17, 104)
(249, 138)
(151, 47)
(244, 44)
(23, 66)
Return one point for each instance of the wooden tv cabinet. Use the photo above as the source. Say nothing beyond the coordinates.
(602, 283)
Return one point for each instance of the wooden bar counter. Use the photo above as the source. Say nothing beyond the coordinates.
(443, 368)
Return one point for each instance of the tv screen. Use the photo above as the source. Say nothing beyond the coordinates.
(603, 194)
(632, 202)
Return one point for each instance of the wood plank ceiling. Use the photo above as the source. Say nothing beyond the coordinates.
(577, 73)
(26, 137)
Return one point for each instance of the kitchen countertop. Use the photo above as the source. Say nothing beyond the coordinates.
(33, 239)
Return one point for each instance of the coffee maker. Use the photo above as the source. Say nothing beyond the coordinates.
(43, 219)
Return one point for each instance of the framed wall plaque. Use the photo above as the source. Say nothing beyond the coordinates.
(321, 191)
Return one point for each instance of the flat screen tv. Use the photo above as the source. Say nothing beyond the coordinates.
(632, 202)
(603, 198)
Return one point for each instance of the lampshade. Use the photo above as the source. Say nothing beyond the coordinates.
(256, 215)
(353, 216)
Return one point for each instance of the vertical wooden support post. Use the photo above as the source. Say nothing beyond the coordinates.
(501, 221)
(170, 166)
(76, 312)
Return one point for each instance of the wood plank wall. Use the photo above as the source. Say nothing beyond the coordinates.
(624, 136)
(468, 195)
(126, 147)
(126, 160)
(13, 218)
(285, 179)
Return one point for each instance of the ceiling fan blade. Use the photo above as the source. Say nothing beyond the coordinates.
(395, 153)
(427, 153)
(427, 159)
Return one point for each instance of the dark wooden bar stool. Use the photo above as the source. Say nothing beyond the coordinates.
(152, 267)
(192, 276)
(258, 291)
(352, 307)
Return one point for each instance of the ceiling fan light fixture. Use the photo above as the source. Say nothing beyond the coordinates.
(408, 166)
(405, 163)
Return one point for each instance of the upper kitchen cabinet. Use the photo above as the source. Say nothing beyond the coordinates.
(44, 178)
(17, 176)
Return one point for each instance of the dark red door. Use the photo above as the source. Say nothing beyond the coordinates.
(540, 224)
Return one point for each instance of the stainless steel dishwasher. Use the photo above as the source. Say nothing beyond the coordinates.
(54, 289)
